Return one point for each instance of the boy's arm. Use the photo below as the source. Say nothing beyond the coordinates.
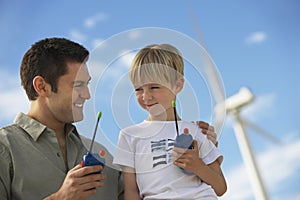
(131, 190)
(210, 174)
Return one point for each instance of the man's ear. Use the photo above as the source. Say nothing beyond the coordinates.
(40, 86)
(179, 85)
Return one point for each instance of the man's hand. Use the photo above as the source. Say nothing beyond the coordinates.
(209, 131)
(79, 183)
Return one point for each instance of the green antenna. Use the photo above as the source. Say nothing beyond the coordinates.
(175, 115)
(98, 118)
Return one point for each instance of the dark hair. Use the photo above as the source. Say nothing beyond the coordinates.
(48, 58)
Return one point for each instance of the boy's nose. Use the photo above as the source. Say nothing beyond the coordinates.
(147, 95)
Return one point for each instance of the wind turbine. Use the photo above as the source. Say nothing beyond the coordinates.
(234, 105)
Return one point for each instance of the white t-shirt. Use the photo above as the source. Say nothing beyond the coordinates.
(148, 148)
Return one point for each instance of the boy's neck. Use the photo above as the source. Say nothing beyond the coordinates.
(162, 118)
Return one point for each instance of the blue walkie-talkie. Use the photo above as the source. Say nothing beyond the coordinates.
(90, 159)
(184, 140)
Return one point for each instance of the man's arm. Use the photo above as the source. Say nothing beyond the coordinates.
(5, 173)
(209, 131)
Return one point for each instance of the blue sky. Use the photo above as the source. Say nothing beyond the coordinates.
(255, 44)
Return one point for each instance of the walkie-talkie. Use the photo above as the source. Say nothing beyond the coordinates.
(90, 159)
(184, 140)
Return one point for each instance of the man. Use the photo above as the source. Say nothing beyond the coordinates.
(42, 151)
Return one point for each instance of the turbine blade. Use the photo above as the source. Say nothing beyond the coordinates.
(262, 132)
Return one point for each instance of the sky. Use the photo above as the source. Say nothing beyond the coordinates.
(253, 44)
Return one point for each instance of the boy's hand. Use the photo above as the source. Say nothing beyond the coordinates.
(188, 159)
(209, 131)
(80, 183)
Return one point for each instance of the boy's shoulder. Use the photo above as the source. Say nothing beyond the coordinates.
(143, 129)
(135, 127)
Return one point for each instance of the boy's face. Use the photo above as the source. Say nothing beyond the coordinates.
(157, 100)
(66, 105)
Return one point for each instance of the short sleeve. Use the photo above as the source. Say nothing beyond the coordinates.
(208, 151)
(124, 154)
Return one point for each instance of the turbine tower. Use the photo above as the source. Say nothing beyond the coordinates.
(234, 105)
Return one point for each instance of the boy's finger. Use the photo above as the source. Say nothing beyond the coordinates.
(195, 144)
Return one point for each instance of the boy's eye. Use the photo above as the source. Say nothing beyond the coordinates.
(155, 87)
(138, 89)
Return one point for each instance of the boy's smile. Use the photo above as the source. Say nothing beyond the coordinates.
(156, 99)
(150, 105)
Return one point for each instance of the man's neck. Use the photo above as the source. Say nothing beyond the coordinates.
(41, 114)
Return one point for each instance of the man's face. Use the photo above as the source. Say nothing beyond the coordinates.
(66, 104)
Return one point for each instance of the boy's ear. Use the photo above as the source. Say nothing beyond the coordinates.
(40, 86)
(179, 85)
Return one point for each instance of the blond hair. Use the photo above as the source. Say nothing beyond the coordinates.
(156, 63)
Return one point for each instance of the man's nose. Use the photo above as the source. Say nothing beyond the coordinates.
(85, 93)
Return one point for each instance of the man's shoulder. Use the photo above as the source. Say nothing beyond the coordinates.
(8, 130)
(9, 133)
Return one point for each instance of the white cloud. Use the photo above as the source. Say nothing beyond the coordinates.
(135, 34)
(77, 36)
(8, 80)
(277, 165)
(126, 59)
(91, 21)
(97, 42)
(12, 102)
(115, 69)
(13, 98)
(257, 109)
(256, 38)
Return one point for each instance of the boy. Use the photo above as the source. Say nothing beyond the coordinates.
(146, 152)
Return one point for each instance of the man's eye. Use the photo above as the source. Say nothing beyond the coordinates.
(78, 85)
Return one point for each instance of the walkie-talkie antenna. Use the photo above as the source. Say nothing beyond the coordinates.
(175, 115)
(98, 119)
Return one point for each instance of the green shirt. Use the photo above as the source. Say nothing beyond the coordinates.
(32, 166)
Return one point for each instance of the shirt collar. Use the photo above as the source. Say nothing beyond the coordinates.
(35, 128)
